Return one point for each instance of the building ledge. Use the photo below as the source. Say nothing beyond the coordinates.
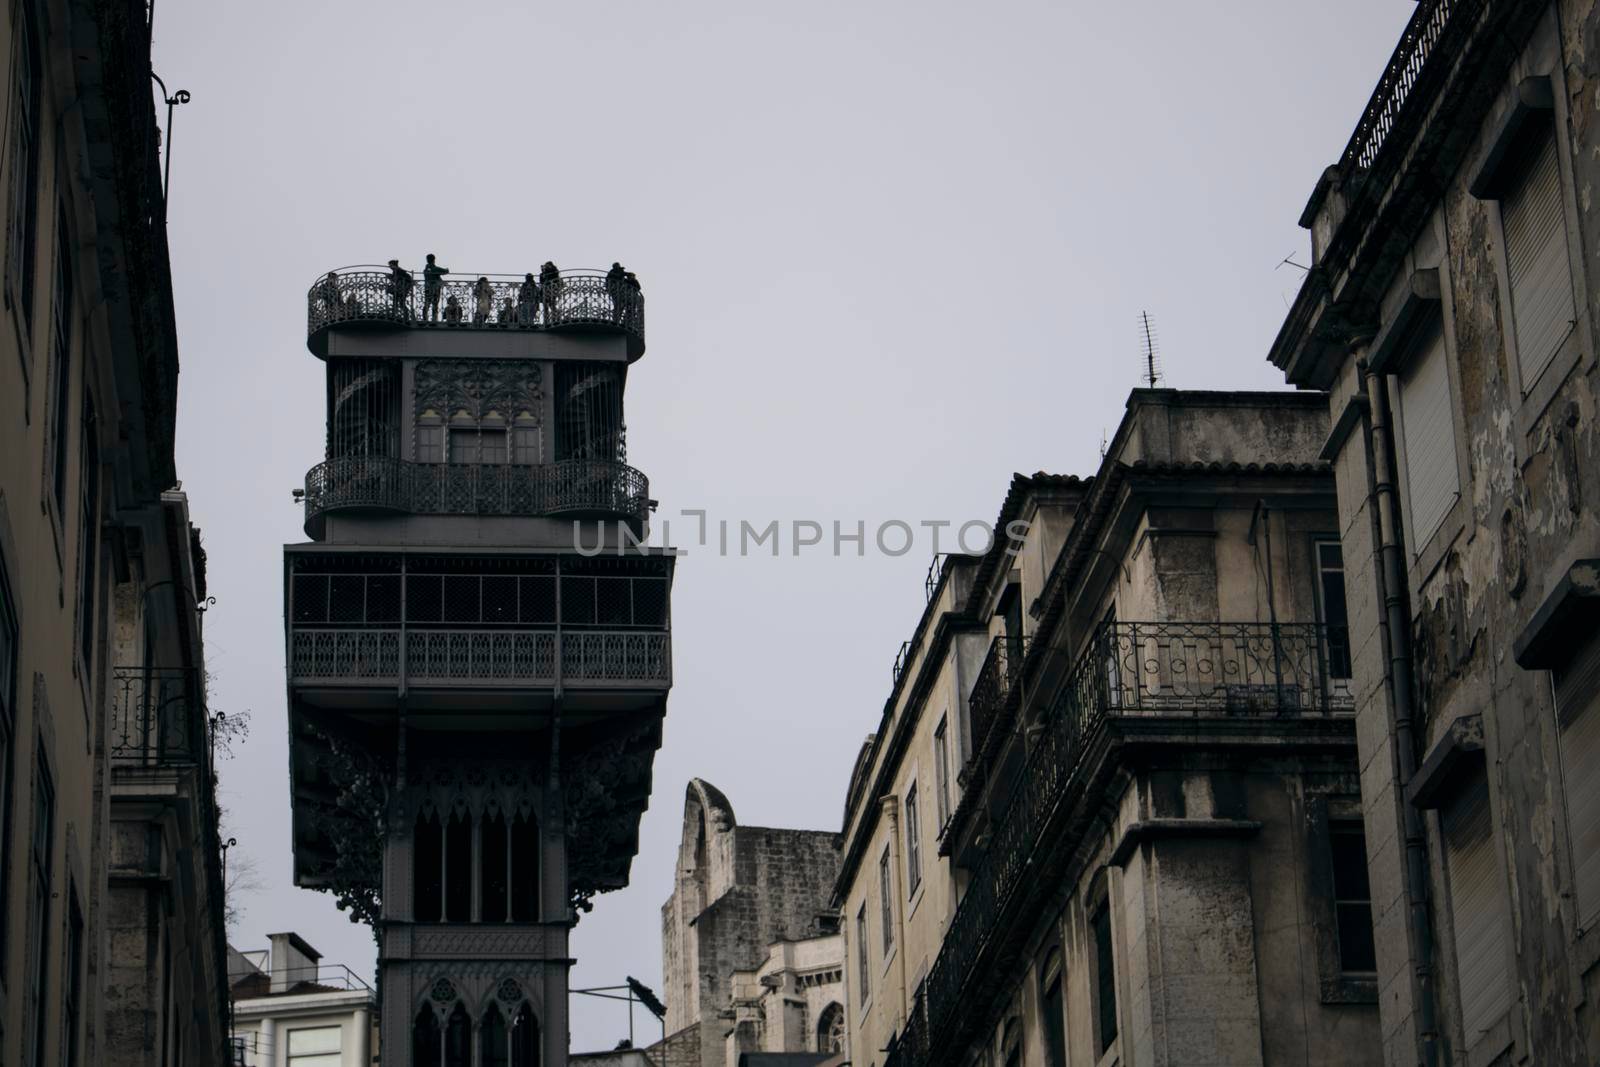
(1137, 833)
(1568, 617)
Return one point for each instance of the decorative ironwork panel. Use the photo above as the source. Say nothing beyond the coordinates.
(344, 655)
(157, 718)
(479, 387)
(992, 688)
(591, 486)
(526, 656)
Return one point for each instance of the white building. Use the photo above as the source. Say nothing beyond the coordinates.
(291, 1010)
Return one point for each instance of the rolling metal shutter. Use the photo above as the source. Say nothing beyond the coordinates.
(1578, 716)
(1536, 262)
(1479, 910)
(1427, 421)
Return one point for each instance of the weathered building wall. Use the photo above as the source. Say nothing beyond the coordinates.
(739, 890)
(1527, 458)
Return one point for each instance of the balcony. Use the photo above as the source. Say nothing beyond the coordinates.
(535, 622)
(1259, 677)
(158, 718)
(373, 296)
(992, 690)
(574, 487)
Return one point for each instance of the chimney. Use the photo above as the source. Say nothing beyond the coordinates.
(293, 961)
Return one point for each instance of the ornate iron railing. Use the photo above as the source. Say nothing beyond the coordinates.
(344, 655)
(992, 687)
(158, 718)
(902, 659)
(572, 485)
(1170, 669)
(375, 294)
(1418, 45)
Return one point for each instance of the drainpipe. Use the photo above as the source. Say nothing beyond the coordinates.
(891, 812)
(1397, 638)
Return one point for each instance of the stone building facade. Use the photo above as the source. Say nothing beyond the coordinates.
(1111, 812)
(751, 957)
(111, 912)
(1450, 313)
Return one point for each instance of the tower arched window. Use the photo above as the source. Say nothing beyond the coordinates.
(427, 1049)
(524, 1038)
(458, 1038)
(494, 1041)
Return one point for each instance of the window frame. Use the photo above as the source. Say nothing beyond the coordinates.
(941, 773)
(1487, 1042)
(24, 134)
(1101, 942)
(913, 823)
(1425, 294)
(863, 956)
(886, 896)
(11, 650)
(311, 1059)
(41, 876)
(1534, 99)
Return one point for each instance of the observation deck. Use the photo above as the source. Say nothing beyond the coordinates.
(367, 296)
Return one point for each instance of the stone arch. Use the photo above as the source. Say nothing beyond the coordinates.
(831, 1029)
(707, 815)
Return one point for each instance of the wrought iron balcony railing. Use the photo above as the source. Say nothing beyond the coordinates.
(479, 657)
(993, 686)
(376, 295)
(1424, 34)
(1130, 670)
(572, 486)
(158, 718)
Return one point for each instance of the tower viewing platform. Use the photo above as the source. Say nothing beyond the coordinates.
(386, 297)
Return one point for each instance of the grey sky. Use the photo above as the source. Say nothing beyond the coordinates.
(892, 252)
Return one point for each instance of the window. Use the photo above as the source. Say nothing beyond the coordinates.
(1332, 607)
(495, 1044)
(913, 841)
(1480, 915)
(1352, 899)
(863, 971)
(427, 854)
(524, 1038)
(886, 901)
(425, 1040)
(1105, 979)
(61, 363)
(317, 1046)
(477, 441)
(458, 1038)
(941, 774)
(39, 855)
(1537, 267)
(22, 231)
(88, 537)
(505, 853)
(1011, 1043)
(1052, 1008)
(831, 1029)
(1578, 722)
(430, 442)
(526, 445)
(72, 1000)
(1428, 434)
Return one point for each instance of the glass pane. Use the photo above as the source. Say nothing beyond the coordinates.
(318, 1039)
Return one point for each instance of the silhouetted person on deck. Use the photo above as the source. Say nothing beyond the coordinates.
(617, 289)
(328, 293)
(527, 300)
(400, 283)
(550, 287)
(432, 286)
(482, 301)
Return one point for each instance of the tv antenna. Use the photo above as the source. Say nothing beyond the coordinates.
(1152, 351)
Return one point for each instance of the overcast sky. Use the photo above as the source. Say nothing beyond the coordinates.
(892, 252)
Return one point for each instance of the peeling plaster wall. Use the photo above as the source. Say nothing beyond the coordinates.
(1529, 508)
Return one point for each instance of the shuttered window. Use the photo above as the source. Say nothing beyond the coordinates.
(1427, 423)
(1536, 259)
(1578, 717)
(1479, 910)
